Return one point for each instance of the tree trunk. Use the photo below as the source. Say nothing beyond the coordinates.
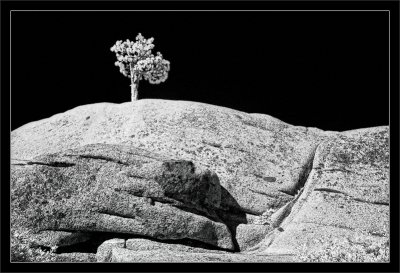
(134, 88)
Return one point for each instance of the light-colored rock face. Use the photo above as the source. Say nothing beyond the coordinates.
(344, 208)
(104, 251)
(146, 251)
(142, 250)
(257, 158)
(177, 170)
(249, 235)
(125, 255)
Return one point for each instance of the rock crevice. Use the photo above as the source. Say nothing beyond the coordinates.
(56, 164)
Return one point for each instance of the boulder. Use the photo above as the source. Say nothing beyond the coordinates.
(118, 189)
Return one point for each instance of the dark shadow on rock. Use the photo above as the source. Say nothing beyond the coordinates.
(203, 189)
(231, 215)
(98, 238)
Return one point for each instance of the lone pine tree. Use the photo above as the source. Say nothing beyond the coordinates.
(136, 61)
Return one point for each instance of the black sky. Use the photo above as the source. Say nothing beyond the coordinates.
(320, 69)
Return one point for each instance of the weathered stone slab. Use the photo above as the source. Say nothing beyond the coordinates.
(120, 189)
(137, 244)
(129, 256)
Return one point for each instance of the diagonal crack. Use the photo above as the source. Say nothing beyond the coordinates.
(343, 170)
(303, 176)
(284, 212)
(371, 202)
(306, 171)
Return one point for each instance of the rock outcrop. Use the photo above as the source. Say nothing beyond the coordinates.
(118, 189)
(258, 158)
(344, 206)
(122, 180)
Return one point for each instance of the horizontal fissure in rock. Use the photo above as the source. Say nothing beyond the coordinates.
(330, 190)
(152, 199)
(343, 170)
(266, 178)
(115, 214)
(131, 175)
(104, 158)
(352, 197)
(253, 124)
(216, 145)
(89, 246)
(264, 193)
(371, 202)
(97, 238)
(334, 170)
(209, 213)
(287, 192)
(328, 225)
(98, 157)
(56, 164)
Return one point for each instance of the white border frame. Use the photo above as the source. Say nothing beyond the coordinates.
(250, 10)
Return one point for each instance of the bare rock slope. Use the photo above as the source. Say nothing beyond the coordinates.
(342, 213)
(197, 176)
